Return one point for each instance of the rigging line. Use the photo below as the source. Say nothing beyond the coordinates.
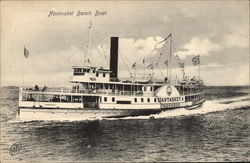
(163, 49)
(125, 64)
(86, 53)
(175, 51)
(152, 52)
(105, 57)
(104, 53)
(126, 58)
(173, 45)
(161, 54)
(160, 71)
(103, 50)
(63, 64)
(166, 70)
(156, 49)
(122, 57)
(170, 35)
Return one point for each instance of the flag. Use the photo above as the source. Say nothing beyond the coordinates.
(166, 62)
(196, 60)
(90, 24)
(151, 66)
(134, 65)
(181, 64)
(143, 61)
(26, 52)
(164, 39)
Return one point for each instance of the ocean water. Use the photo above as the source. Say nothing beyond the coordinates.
(217, 131)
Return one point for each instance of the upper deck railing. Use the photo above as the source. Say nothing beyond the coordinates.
(85, 91)
(94, 92)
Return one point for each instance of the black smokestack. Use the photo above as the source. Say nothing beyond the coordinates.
(113, 65)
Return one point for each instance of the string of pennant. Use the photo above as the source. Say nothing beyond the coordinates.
(151, 66)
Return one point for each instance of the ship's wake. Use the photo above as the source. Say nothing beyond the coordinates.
(207, 107)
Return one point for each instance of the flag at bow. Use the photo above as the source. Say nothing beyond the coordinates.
(196, 60)
(134, 65)
(26, 52)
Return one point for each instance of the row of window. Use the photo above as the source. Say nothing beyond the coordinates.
(103, 75)
(105, 99)
(51, 98)
(142, 100)
(195, 97)
(79, 73)
(83, 73)
(188, 90)
(170, 105)
(151, 89)
(81, 70)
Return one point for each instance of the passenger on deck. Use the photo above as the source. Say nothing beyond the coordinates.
(36, 88)
(44, 88)
(30, 98)
(77, 88)
(193, 79)
(55, 99)
(166, 79)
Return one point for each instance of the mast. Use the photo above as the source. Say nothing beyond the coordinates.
(89, 44)
(152, 73)
(183, 74)
(135, 75)
(23, 72)
(170, 49)
(167, 71)
(199, 68)
(144, 68)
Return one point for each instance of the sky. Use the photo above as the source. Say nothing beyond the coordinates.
(218, 31)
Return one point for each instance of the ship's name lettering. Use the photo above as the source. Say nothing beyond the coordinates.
(170, 99)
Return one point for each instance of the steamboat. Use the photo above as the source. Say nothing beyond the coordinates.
(97, 92)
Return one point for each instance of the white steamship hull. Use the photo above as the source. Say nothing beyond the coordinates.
(79, 114)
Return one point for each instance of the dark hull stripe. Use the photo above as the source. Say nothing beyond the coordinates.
(110, 113)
